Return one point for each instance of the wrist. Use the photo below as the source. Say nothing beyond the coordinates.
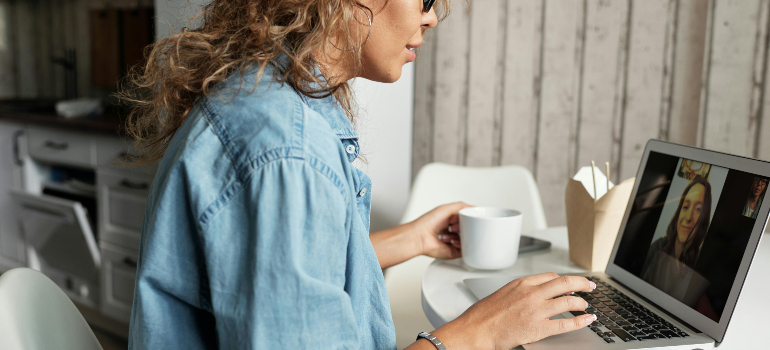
(416, 238)
(433, 339)
(458, 334)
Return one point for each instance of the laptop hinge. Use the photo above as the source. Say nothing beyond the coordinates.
(657, 307)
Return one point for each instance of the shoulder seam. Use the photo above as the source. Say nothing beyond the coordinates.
(259, 163)
(220, 132)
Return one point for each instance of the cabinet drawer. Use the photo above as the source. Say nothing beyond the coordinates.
(59, 236)
(122, 199)
(117, 281)
(110, 149)
(62, 147)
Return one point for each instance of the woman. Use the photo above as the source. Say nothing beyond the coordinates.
(671, 258)
(256, 230)
(754, 202)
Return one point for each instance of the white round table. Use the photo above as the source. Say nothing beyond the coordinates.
(445, 296)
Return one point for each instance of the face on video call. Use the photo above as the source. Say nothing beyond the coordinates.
(759, 186)
(690, 222)
(692, 205)
(754, 200)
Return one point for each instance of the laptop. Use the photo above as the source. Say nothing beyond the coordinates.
(689, 233)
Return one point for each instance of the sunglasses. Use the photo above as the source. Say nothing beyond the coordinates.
(427, 4)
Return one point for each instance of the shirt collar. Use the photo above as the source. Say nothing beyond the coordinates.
(332, 112)
(327, 107)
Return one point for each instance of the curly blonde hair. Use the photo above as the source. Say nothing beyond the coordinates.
(236, 35)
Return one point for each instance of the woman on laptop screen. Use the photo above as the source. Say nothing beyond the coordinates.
(671, 258)
(758, 187)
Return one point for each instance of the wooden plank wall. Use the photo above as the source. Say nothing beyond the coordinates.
(34, 31)
(553, 84)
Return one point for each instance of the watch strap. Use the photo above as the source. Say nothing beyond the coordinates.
(432, 338)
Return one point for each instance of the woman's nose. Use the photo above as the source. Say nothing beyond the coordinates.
(429, 19)
(687, 214)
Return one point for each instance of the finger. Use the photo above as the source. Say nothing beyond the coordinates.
(564, 304)
(447, 251)
(456, 243)
(540, 278)
(448, 237)
(454, 219)
(456, 252)
(565, 325)
(454, 228)
(566, 284)
(453, 208)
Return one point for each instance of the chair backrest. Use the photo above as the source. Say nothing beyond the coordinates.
(36, 314)
(509, 186)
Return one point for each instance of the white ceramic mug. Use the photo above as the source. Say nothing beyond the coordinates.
(490, 237)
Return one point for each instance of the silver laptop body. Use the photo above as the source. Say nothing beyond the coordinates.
(668, 258)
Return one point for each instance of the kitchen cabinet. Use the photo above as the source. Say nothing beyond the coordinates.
(118, 280)
(56, 147)
(12, 145)
(71, 211)
(122, 199)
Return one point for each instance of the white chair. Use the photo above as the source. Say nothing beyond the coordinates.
(36, 314)
(436, 184)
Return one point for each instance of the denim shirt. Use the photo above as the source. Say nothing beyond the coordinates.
(256, 233)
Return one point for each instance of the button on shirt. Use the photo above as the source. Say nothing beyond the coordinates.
(256, 231)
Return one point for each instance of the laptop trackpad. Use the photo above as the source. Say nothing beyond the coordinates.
(483, 287)
(582, 338)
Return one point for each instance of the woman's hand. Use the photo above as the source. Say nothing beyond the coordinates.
(433, 234)
(437, 231)
(518, 314)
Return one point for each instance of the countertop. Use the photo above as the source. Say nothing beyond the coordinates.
(42, 113)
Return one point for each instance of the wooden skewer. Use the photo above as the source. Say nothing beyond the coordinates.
(593, 177)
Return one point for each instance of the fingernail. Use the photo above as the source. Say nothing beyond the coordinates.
(440, 237)
(587, 305)
(589, 318)
(593, 285)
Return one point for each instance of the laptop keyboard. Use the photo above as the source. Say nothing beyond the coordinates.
(620, 318)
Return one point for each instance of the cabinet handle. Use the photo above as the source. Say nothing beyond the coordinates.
(56, 145)
(130, 261)
(133, 185)
(16, 152)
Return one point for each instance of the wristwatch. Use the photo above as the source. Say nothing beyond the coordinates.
(439, 345)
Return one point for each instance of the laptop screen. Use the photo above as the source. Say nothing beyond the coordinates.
(688, 229)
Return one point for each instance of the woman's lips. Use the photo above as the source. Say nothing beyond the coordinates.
(411, 55)
(412, 48)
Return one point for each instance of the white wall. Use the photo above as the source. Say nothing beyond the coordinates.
(384, 124)
(385, 130)
(172, 15)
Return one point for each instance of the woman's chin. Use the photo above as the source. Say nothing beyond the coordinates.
(391, 76)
